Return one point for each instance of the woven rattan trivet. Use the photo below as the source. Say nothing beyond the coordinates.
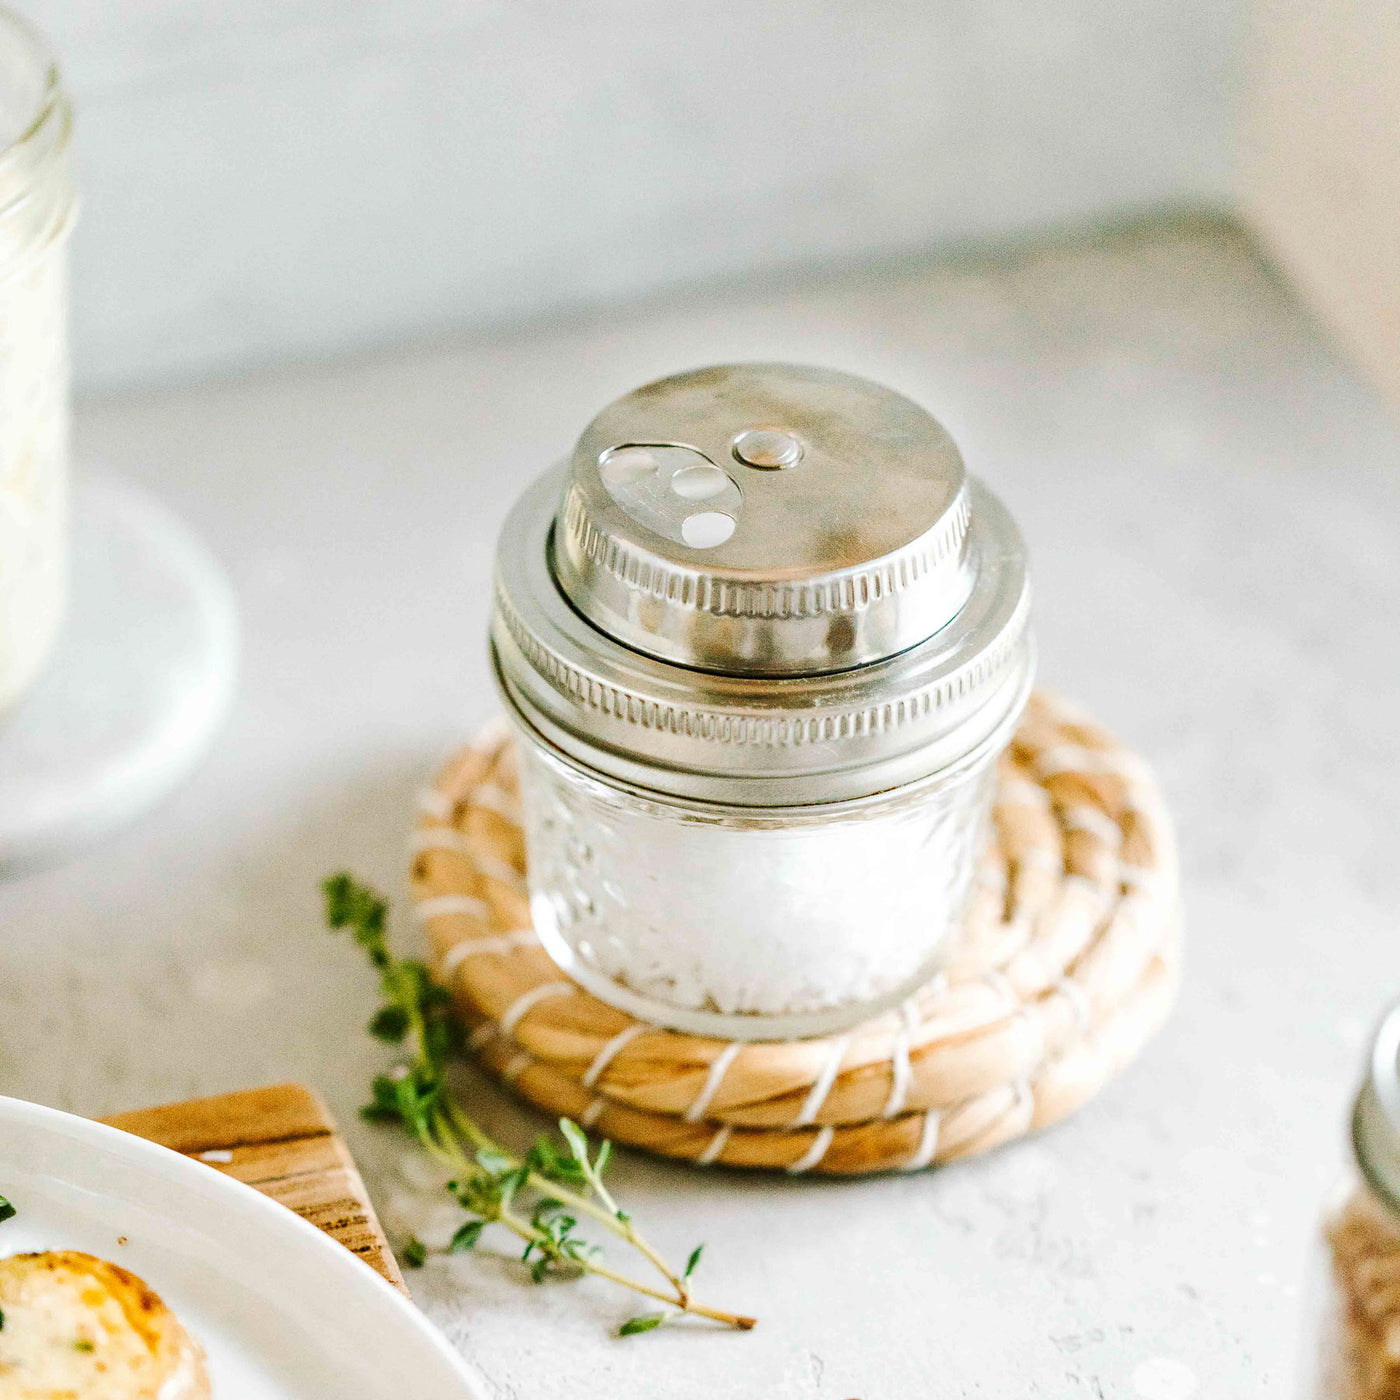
(1067, 965)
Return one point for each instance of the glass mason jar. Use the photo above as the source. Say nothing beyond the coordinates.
(1352, 1348)
(36, 213)
(762, 641)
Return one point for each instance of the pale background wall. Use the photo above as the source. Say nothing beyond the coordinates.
(288, 177)
(1320, 164)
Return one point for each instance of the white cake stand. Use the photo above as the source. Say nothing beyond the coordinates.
(140, 678)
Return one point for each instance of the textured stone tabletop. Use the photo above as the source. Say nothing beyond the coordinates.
(1213, 504)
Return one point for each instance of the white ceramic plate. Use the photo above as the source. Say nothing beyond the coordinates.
(281, 1309)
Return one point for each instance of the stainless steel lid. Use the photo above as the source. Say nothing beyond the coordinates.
(1376, 1120)
(765, 520)
(762, 585)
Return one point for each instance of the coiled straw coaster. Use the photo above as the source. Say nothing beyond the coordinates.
(1066, 967)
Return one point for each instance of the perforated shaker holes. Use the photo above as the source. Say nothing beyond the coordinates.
(626, 465)
(706, 529)
(699, 483)
(661, 486)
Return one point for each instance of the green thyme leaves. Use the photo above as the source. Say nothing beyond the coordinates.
(542, 1198)
(466, 1236)
(647, 1322)
(389, 1023)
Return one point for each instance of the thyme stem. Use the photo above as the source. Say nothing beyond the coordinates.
(489, 1179)
(619, 1222)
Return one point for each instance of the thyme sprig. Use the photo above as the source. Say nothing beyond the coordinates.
(539, 1197)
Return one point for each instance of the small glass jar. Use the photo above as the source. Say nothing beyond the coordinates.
(1352, 1336)
(634, 887)
(762, 641)
(36, 213)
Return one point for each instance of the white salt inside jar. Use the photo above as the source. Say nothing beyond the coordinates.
(745, 912)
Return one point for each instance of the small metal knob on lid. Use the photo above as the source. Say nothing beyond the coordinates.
(763, 585)
(765, 520)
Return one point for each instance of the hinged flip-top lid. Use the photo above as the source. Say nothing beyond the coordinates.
(765, 519)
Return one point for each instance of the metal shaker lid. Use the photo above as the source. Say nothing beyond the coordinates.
(1376, 1120)
(765, 519)
(832, 651)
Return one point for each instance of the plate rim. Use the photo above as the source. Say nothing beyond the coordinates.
(158, 1162)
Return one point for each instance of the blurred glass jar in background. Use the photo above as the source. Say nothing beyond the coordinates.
(1352, 1347)
(36, 213)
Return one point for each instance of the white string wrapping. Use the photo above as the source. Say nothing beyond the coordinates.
(502, 944)
(1083, 816)
(498, 800)
(444, 904)
(1037, 1027)
(490, 736)
(605, 1056)
(1073, 993)
(817, 1094)
(495, 869)
(1021, 792)
(928, 1143)
(991, 878)
(999, 983)
(1072, 758)
(719, 1066)
(1085, 886)
(715, 1145)
(1136, 878)
(1039, 858)
(526, 1000)
(440, 838)
(814, 1153)
(901, 1071)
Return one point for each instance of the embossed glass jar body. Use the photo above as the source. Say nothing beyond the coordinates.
(788, 918)
(762, 642)
(36, 205)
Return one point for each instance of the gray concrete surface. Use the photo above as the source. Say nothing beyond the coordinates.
(1213, 501)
